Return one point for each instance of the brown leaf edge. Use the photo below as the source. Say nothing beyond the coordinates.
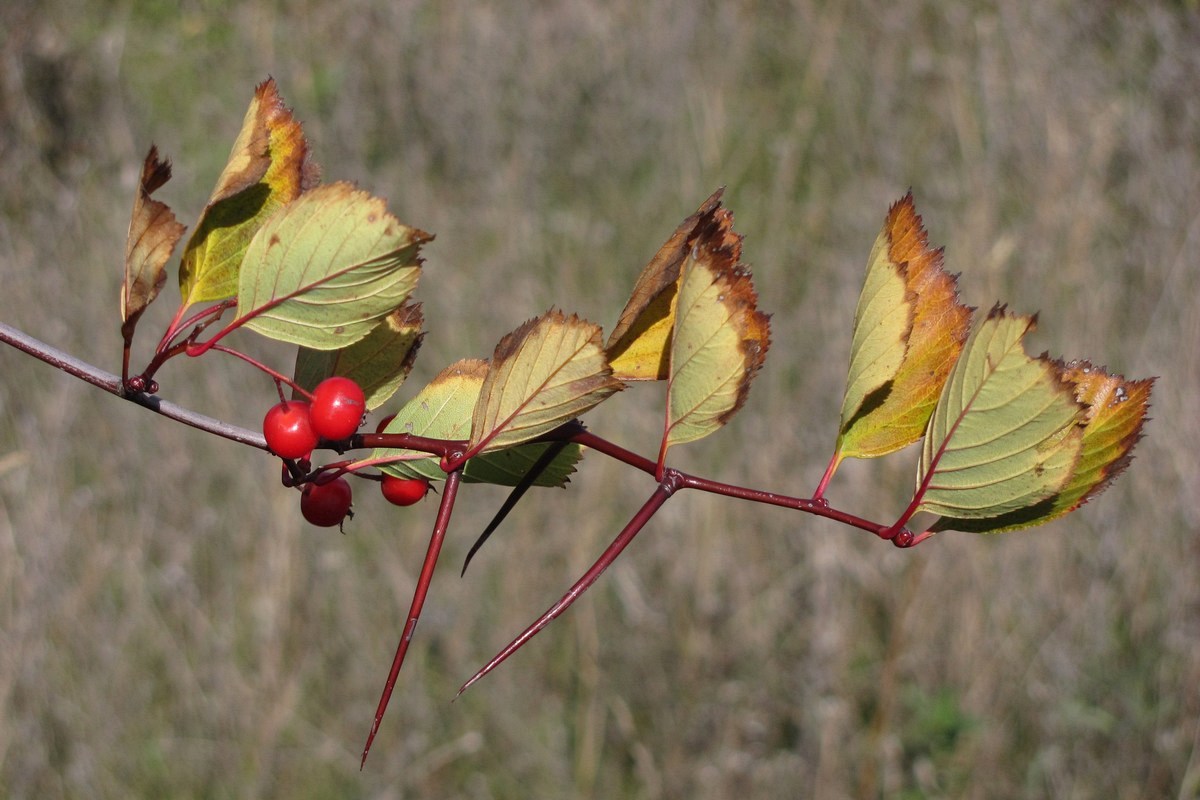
(1113, 418)
(719, 247)
(657, 282)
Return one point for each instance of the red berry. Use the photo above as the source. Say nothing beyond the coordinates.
(326, 504)
(288, 431)
(337, 410)
(403, 491)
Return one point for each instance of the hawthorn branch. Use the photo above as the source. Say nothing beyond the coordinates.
(112, 384)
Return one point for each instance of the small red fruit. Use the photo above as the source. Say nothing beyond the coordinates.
(337, 409)
(403, 491)
(288, 431)
(326, 504)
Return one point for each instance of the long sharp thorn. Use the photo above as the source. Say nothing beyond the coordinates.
(514, 497)
(414, 611)
(606, 558)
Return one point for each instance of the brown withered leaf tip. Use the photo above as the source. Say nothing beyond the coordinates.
(716, 238)
(663, 270)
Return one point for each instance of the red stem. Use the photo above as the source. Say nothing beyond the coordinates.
(214, 311)
(414, 612)
(816, 506)
(279, 377)
(819, 494)
(670, 483)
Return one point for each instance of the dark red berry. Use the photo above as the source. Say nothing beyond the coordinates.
(337, 409)
(326, 504)
(288, 431)
(403, 491)
(903, 538)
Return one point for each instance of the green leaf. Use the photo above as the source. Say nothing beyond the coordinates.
(545, 373)
(1112, 424)
(720, 338)
(442, 410)
(268, 168)
(324, 271)
(378, 363)
(882, 323)
(507, 467)
(1006, 433)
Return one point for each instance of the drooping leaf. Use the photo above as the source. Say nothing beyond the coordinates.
(1115, 413)
(720, 338)
(545, 373)
(268, 168)
(639, 345)
(1006, 434)
(908, 331)
(442, 410)
(379, 362)
(507, 467)
(324, 271)
(153, 234)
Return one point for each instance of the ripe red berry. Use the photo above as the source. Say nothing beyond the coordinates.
(288, 431)
(337, 409)
(326, 504)
(403, 491)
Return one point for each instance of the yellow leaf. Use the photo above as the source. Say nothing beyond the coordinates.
(720, 338)
(639, 345)
(1115, 414)
(909, 329)
(545, 373)
(153, 234)
(267, 169)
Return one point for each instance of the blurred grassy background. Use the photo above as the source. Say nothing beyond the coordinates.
(169, 627)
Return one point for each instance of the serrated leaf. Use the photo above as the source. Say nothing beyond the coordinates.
(1006, 432)
(720, 338)
(908, 331)
(379, 362)
(507, 467)
(545, 373)
(268, 168)
(639, 345)
(153, 234)
(324, 271)
(1115, 413)
(442, 410)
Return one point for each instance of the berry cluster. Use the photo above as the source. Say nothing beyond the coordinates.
(293, 428)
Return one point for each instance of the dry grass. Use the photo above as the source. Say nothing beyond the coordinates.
(170, 628)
